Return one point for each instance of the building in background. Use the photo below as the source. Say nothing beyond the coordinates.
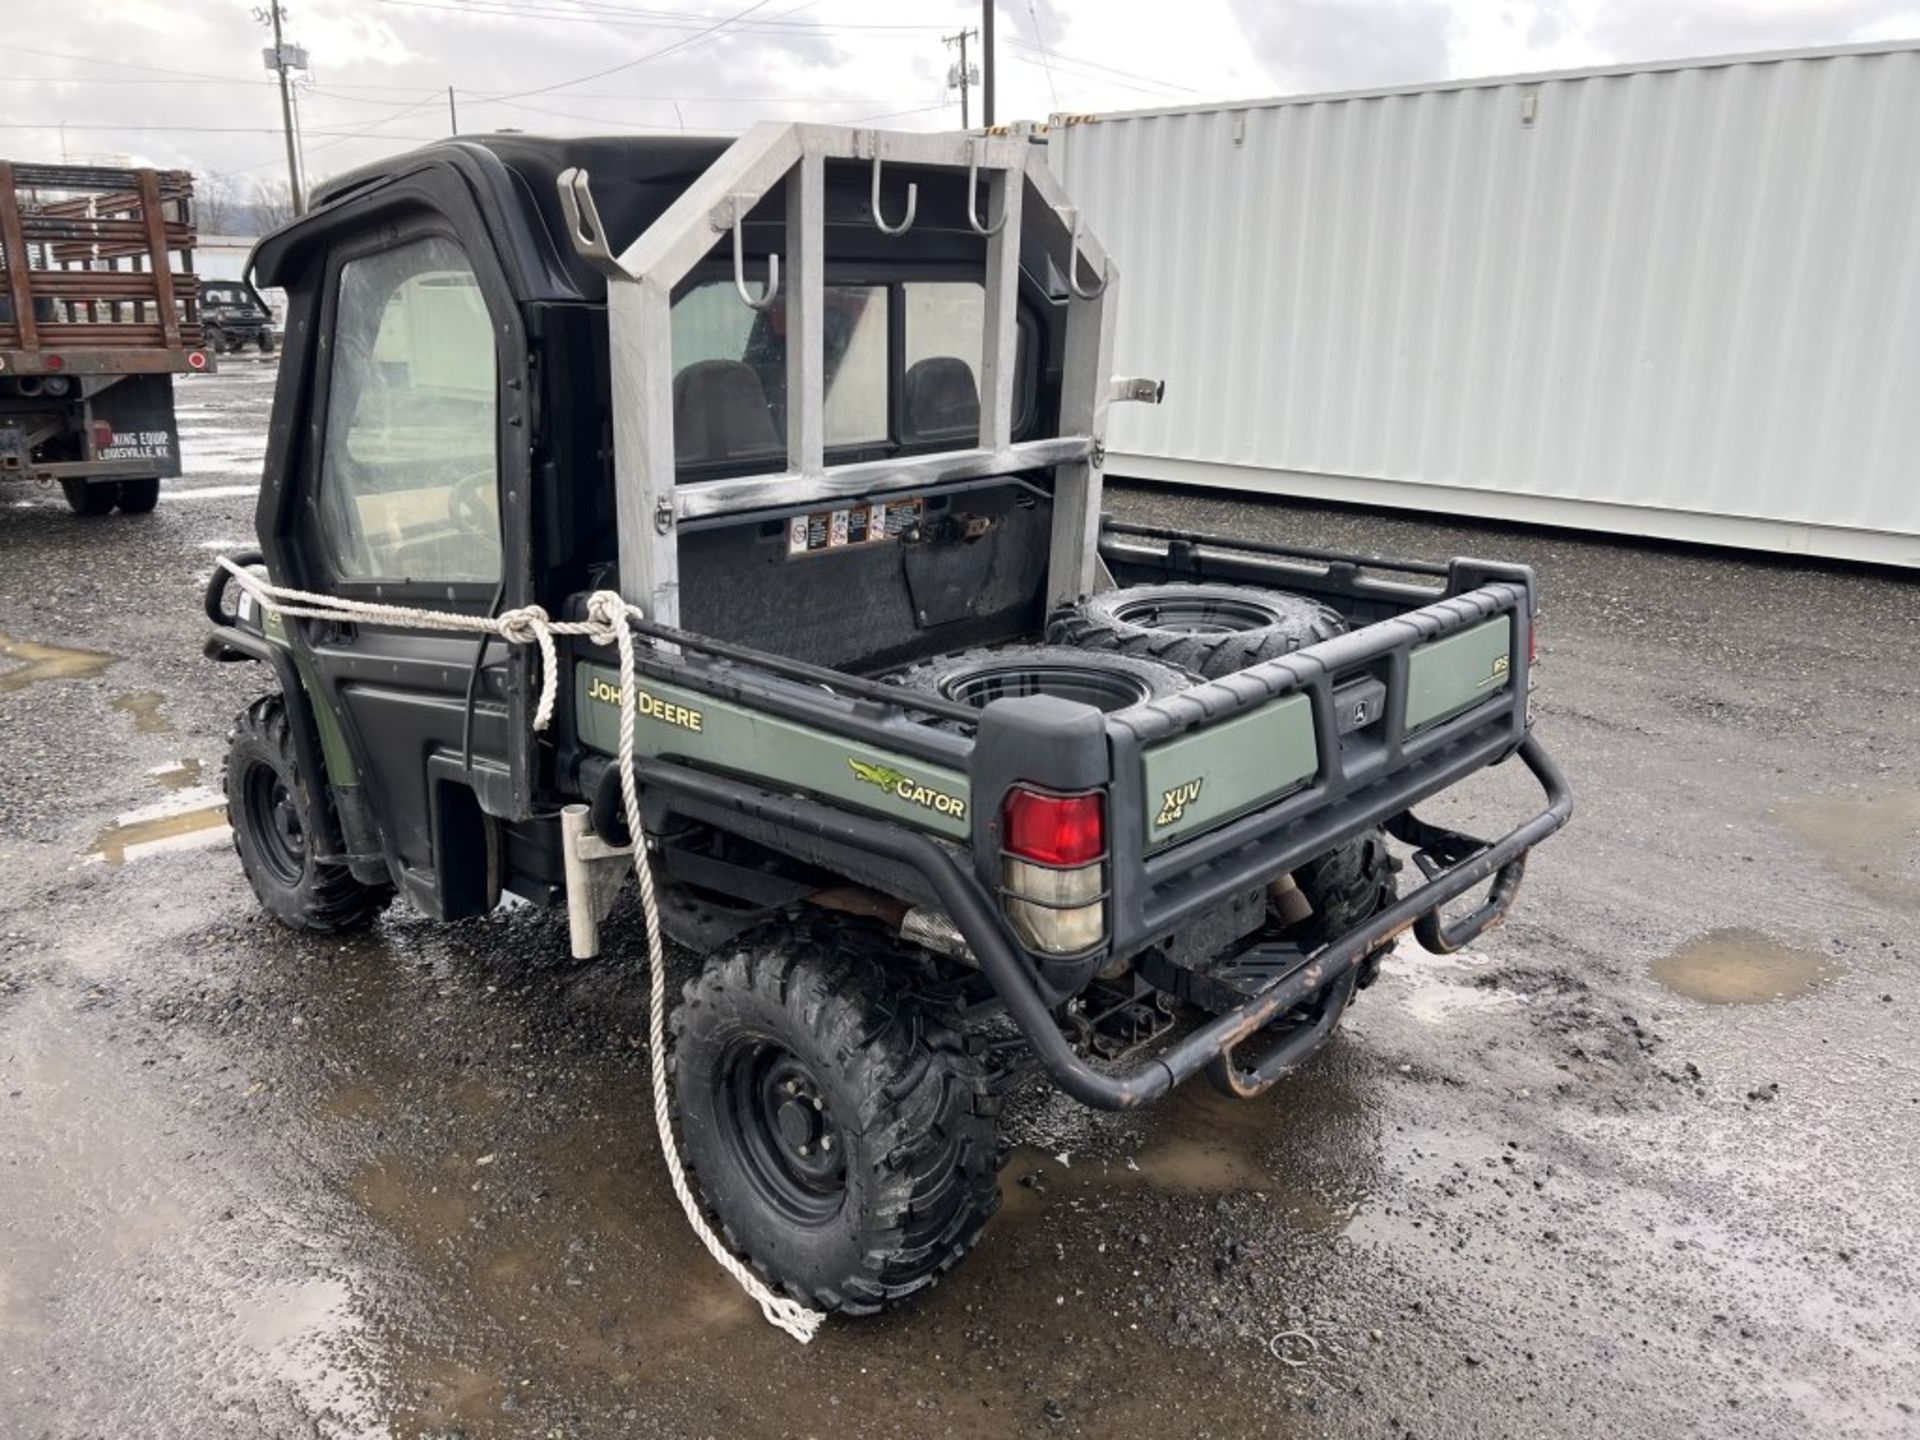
(1676, 300)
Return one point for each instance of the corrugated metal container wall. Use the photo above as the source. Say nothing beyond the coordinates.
(1670, 301)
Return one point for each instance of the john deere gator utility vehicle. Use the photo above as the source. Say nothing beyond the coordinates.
(948, 779)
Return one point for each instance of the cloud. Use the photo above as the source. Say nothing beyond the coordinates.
(179, 84)
(1313, 45)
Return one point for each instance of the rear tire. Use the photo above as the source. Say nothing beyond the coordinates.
(138, 497)
(90, 499)
(274, 812)
(841, 1131)
(1212, 630)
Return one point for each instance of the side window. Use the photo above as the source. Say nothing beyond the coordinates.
(409, 472)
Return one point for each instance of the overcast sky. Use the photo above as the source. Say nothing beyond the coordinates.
(181, 82)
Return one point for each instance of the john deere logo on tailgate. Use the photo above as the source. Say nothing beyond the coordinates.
(903, 786)
(1501, 666)
(1174, 802)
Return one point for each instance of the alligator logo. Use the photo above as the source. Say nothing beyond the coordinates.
(1174, 802)
(903, 786)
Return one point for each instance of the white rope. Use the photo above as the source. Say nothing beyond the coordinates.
(608, 617)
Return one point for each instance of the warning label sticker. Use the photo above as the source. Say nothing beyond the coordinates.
(852, 526)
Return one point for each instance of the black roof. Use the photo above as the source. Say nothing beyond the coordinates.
(634, 180)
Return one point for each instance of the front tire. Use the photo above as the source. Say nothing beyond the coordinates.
(841, 1131)
(274, 811)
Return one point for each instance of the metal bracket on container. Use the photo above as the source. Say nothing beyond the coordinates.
(1136, 387)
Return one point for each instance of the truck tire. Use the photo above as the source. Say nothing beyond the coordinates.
(842, 1133)
(266, 342)
(1104, 681)
(214, 339)
(271, 808)
(1347, 887)
(1212, 630)
(138, 497)
(86, 499)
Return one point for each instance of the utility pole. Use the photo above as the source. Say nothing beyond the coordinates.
(453, 115)
(280, 61)
(962, 75)
(986, 63)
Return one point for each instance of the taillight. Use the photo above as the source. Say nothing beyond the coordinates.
(1533, 640)
(1053, 871)
(102, 435)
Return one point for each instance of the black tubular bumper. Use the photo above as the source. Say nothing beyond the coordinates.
(1458, 864)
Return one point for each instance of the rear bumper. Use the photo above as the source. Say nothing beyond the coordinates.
(1456, 864)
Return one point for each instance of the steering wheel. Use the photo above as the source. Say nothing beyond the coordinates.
(473, 504)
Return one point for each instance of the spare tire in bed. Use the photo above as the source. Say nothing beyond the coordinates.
(1212, 630)
(1106, 682)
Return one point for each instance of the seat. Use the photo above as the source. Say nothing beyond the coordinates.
(720, 413)
(942, 400)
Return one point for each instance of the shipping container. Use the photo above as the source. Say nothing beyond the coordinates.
(1677, 300)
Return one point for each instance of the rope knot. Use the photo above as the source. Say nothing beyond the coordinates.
(606, 615)
(523, 626)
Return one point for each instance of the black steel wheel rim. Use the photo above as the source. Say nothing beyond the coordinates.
(274, 817)
(774, 1118)
(1195, 614)
(1104, 689)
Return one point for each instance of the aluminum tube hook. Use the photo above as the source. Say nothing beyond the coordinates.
(772, 290)
(1071, 215)
(913, 201)
(973, 195)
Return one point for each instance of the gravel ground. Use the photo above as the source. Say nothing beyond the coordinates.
(1643, 1163)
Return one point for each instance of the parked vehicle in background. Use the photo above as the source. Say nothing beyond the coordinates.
(234, 317)
(99, 310)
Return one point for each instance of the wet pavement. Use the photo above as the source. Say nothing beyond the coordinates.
(1644, 1163)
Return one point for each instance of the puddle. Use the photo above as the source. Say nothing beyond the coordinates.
(143, 708)
(48, 662)
(307, 1333)
(192, 819)
(1872, 841)
(1741, 967)
(176, 774)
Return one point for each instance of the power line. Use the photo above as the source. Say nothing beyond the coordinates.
(1046, 60)
(1084, 64)
(677, 45)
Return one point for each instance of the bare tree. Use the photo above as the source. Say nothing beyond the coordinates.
(272, 204)
(217, 205)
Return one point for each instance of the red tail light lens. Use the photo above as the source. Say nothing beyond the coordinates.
(102, 435)
(1533, 640)
(1055, 829)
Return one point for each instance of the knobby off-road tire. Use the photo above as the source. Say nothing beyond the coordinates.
(1212, 630)
(273, 810)
(1107, 682)
(85, 499)
(841, 1132)
(1347, 887)
(138, 497)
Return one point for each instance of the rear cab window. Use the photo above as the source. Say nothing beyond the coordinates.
(901, 370)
